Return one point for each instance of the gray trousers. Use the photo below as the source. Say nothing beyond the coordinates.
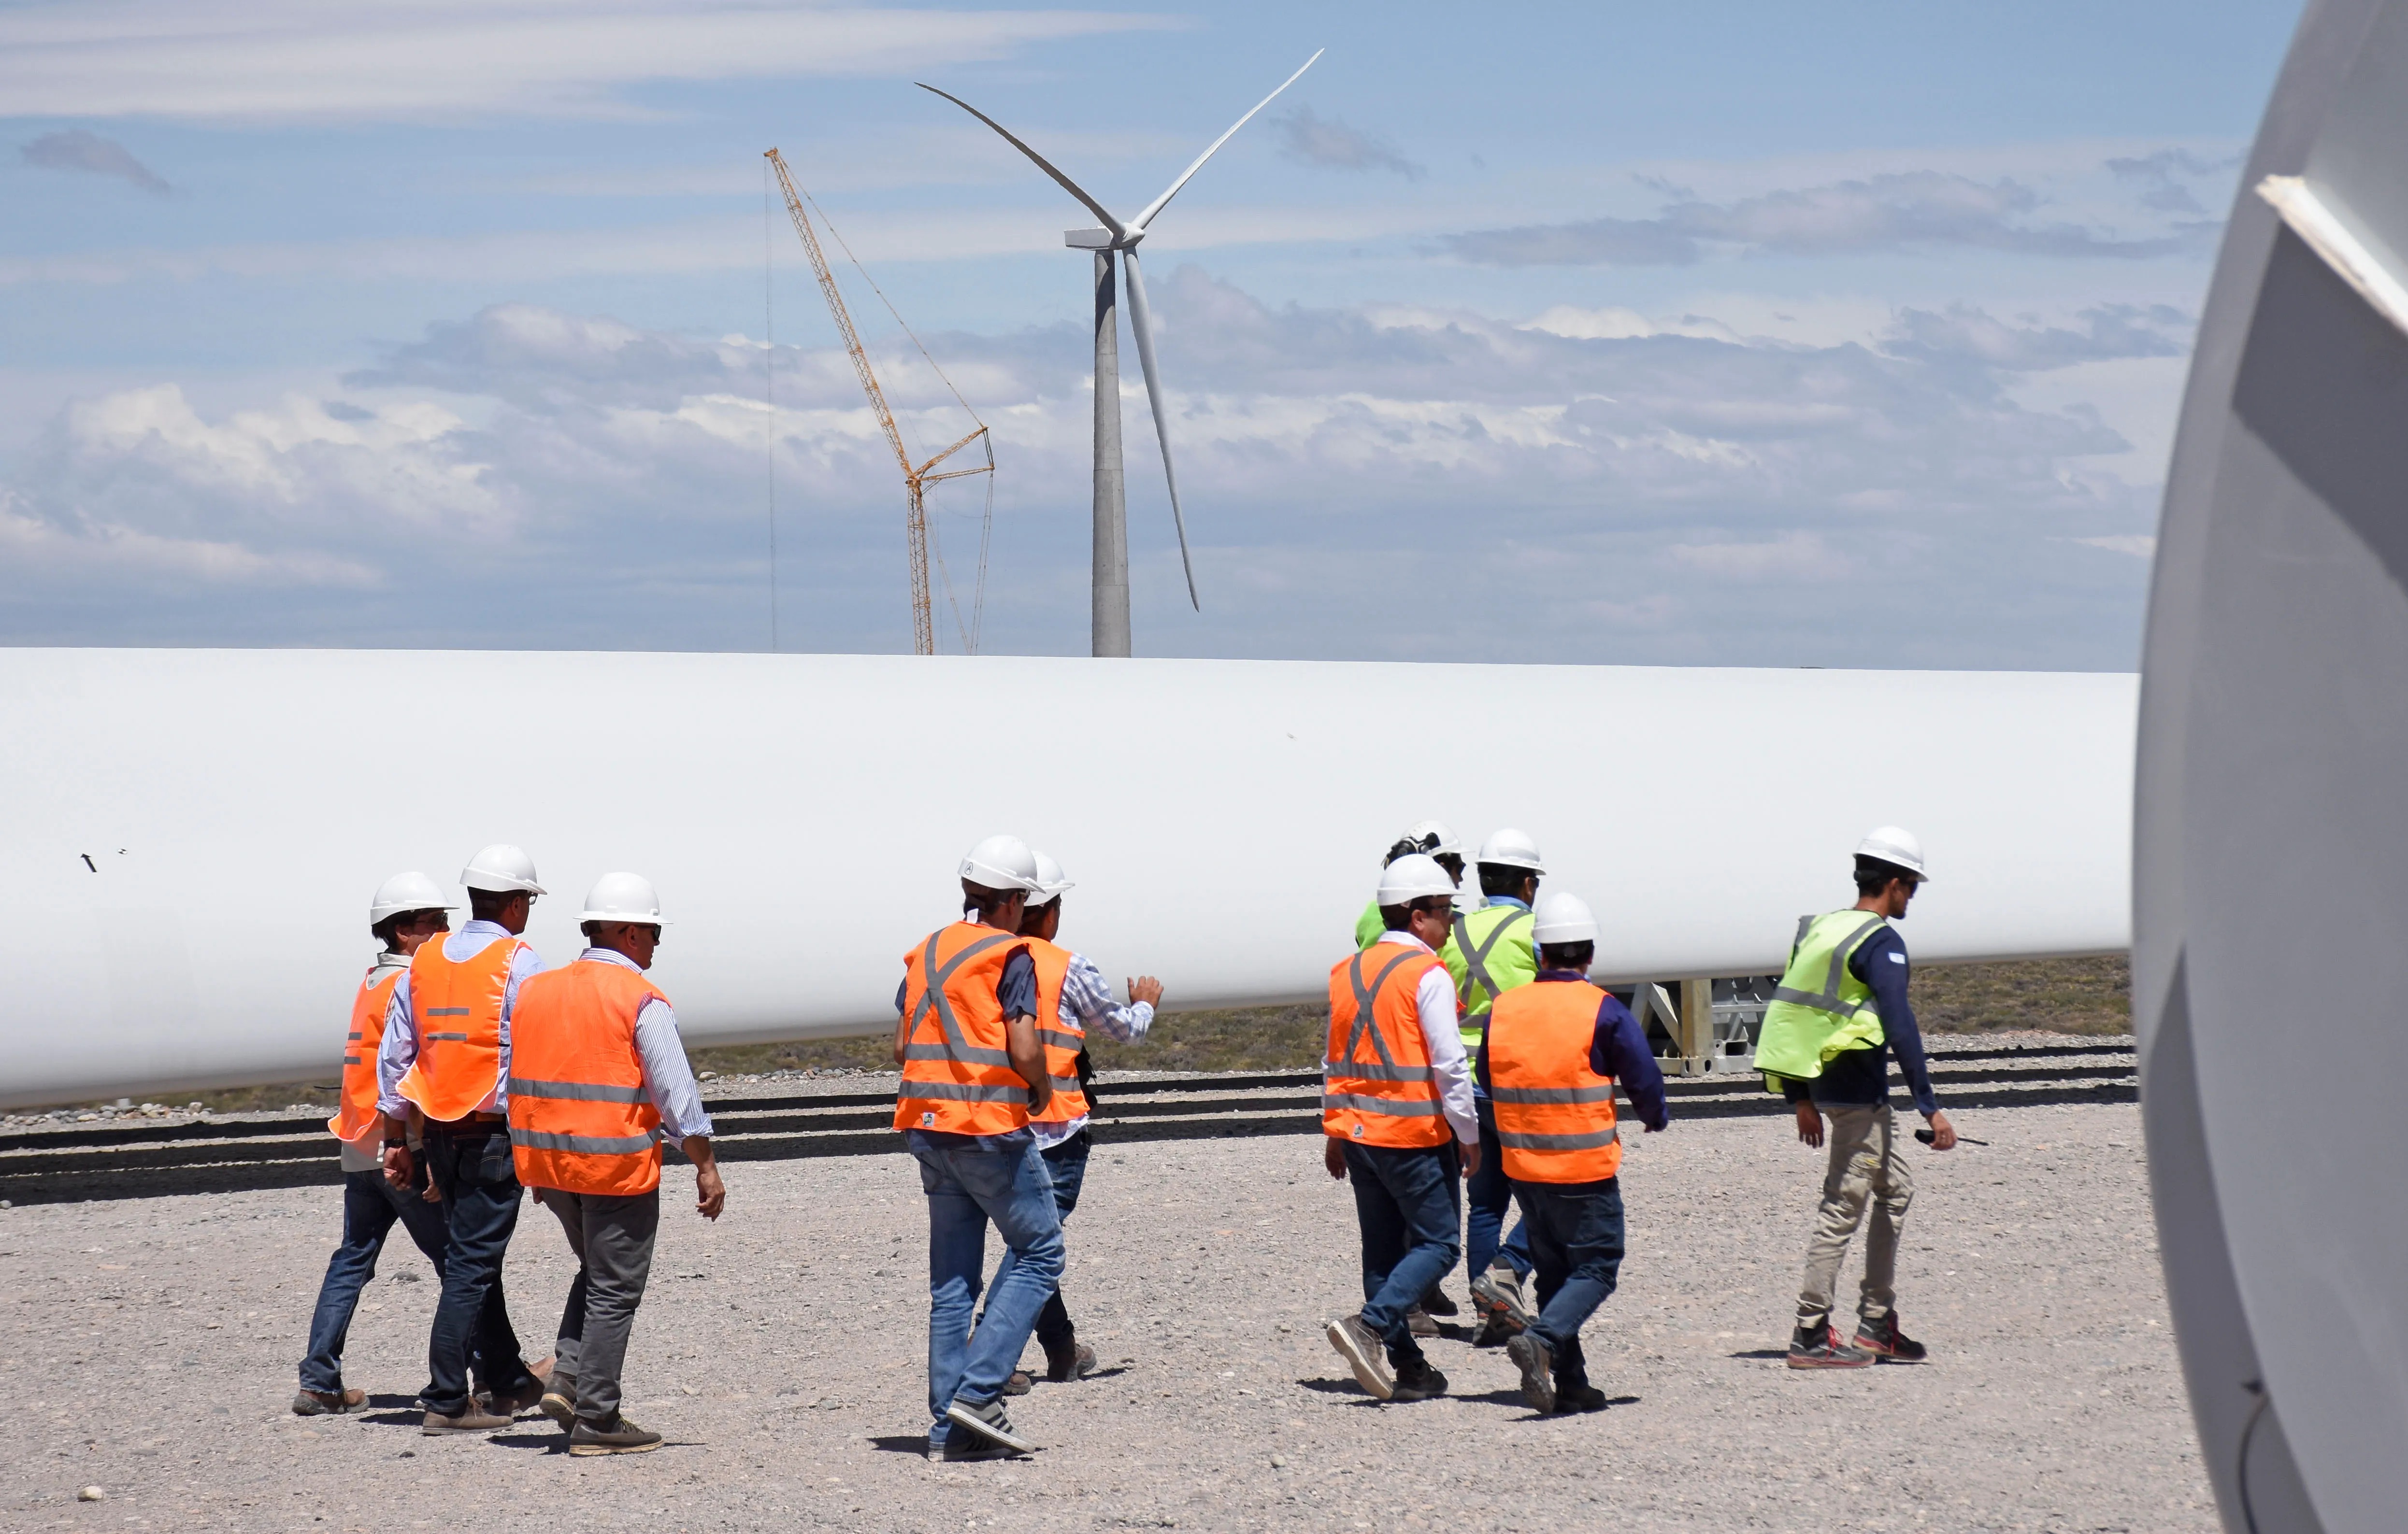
(612, 1239)
(1866, 1167)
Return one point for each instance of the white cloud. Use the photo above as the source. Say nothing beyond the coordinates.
(2140, 546)
(1890, 210)
(530, 476)
(352, 60)
(1311, 140)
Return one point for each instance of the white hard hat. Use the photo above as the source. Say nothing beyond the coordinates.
(1563, 919)
(501, 869)
(407, 892)
(622, 897)
(1050, 881)
(1003, 862)
(1435, 838)
(1896, 846)
(1510, 848)
(1413, 876)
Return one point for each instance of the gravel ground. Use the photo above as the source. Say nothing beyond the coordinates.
(150, 1347)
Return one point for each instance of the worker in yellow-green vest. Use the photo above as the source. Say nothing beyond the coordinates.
(1839, 1012)
(1498, 953)
(1434, 841)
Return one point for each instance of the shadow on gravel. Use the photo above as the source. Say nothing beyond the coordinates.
(392, 1403)
(915, 1444)
(549, 1442)
(408, 1416)
(1763, 1352)
(1340, 1387)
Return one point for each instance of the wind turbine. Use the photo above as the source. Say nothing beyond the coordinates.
(1111, 635)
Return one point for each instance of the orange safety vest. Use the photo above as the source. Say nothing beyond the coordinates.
(958, 1077)
(580, 1119)
(1062, 1038)
(355, 1114)
(1376, 1084)
(458, 1010)
(1554, 1115)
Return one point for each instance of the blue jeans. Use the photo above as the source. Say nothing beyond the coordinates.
(967, 1188)
(1576, 1249)
(1490, 1194)
(370, 1205)
(1406, 1203)
(473, 1170)
(1066, 1164)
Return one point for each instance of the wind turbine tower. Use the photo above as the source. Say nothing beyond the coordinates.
(1118, 237)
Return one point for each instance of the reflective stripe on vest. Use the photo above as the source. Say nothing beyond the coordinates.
(457, 1068)
(355, 1113)
(1820, 1008)
(581, 1120)
(1488, 973)
(1555, 1115)
(1061, 1037)
(1392, 1100)
(958, 1075)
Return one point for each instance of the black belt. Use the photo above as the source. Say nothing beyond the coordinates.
(472, 1123)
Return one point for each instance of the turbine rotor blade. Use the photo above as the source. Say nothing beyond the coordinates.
(1120, 230)
(1141, 321)
(1137, 225)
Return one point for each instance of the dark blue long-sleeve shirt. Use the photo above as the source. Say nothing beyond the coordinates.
(1857, 1078)
(1617, 1048)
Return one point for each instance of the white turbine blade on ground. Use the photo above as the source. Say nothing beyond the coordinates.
(1137, 224)
(1142, 320)
(1120, 230)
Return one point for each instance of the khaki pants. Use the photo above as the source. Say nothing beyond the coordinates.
(1866, 1166)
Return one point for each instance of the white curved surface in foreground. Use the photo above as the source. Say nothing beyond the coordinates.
(802, 815)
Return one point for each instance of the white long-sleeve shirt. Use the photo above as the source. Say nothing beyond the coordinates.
(366, 1153)
(1087, 1005)
(660, 1055)
(1450, 1067)
(399, 1050)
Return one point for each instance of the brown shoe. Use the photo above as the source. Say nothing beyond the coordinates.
(619, 1437)
(475, 1419)
(1019, 1382)
(559, 1401)
(328, 1403)
(1420, 1323)
(509, 1403)
(1075, 1362)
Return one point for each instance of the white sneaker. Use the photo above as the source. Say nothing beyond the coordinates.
(1364, 1353)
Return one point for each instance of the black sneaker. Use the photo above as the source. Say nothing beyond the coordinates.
(1571, 1398)
(1418, 1382)
(1534, 1357)
(1819, 1347)
(1496, 1331)
(1437, 1302)
(1884, 1340)
(988, 1423)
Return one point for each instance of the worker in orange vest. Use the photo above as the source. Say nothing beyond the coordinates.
(1072, 995)
(1396, 1109)
(406, 910)
(599, 1078)
(1555, 1049)
(447, 1052)
(973, 1074)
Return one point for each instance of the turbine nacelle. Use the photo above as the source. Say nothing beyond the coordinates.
(1094, 239)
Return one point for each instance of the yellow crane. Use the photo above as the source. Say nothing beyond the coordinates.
(916, 478)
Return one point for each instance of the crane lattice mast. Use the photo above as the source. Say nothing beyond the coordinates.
(916, 480)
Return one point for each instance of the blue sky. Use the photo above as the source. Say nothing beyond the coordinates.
(1736, 334)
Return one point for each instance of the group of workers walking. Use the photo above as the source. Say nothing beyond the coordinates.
(1469, 1061)
(471, 1072)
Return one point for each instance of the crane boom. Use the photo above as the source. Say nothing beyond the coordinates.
(916, 524)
